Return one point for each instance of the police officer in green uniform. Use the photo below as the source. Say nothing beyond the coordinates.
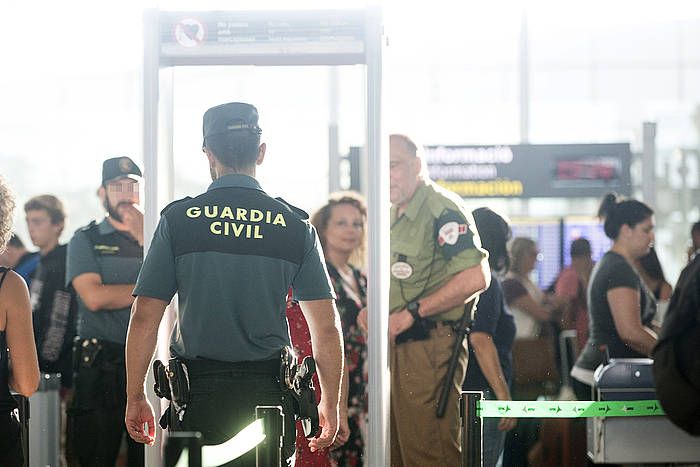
(231, 254)
(102, 264)
(437, 266)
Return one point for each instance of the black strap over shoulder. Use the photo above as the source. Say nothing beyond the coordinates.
(3, 270)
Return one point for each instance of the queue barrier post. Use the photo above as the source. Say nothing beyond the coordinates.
(472, 429)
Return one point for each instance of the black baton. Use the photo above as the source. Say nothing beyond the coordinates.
(461, 331)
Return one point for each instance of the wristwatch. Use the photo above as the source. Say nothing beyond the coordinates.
(412, 308)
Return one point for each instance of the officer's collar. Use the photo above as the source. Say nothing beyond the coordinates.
(235, 180)
(416, 202)
(105, 227)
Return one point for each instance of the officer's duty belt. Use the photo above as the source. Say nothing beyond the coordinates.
(262, 367)
(431, 324)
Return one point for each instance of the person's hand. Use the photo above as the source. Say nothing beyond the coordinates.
(139, 413)
(507, 424)
(328, 419)
(132, 216)
(362, 320)
(398, 323)
(343, 431)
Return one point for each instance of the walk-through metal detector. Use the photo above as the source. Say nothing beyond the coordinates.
(269, 38)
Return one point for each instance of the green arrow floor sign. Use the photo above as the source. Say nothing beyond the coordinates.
(568, 409)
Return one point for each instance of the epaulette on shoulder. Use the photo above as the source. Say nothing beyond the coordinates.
(86, 228)
(174, 203)
(298, 211)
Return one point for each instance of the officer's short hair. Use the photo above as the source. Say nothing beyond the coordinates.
(234, 149)
(322, 216)
(49, 203)
(7, 208)
(232, 134)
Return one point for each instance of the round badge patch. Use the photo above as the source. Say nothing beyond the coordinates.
(401, 270)
(449, 233)
(124, 165)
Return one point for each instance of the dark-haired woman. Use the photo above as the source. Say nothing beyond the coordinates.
(651, 272)
(340, 224)
(620, 307)
(492, 335)
(17, 337)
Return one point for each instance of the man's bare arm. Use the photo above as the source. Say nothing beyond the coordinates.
(461, 288)
(98, 296)
(141, 340)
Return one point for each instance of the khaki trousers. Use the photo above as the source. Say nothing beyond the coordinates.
(418, 437)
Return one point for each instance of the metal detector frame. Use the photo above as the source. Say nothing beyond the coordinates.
(174, 39)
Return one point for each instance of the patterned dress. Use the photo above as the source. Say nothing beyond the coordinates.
(351, 454)
(301, 341)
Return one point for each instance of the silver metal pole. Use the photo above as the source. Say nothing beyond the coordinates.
(378, 241)
(333, 152)
(151, 67)
(524, 81)
(648, 164)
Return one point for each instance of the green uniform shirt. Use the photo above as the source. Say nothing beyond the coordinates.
(434, 239)
(117, 257)
(232, 254)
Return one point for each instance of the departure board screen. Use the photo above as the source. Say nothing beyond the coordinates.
(554, 239)
(548, 239)
(591, 231)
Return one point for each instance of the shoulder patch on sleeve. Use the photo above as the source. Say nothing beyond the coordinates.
(453, 234)
(174, 203)
(298, 211)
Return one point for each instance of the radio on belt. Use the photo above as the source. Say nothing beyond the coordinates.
(646, 439)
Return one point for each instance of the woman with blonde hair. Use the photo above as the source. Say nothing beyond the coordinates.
(530, 306)
(19, 368)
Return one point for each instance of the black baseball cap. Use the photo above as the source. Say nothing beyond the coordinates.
(230, 117)
(119, 167)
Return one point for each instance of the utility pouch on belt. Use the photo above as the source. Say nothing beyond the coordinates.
(179, 382)
(296, 380)
(161, 386)
(419, 331)
(172, 383)
(88, 350)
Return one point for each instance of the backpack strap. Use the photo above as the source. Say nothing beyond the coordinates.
(4, 273)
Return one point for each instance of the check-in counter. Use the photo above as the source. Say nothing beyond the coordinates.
(644, 439)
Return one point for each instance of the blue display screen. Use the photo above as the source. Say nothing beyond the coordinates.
(554, 242)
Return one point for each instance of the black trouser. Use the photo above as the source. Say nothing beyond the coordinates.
(223, 397)
(96, 416)
(10, 441)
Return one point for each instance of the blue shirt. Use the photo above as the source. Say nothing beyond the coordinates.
(493, 318)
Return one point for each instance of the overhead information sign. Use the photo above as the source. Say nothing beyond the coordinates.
(262, 37)
(531, 170)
